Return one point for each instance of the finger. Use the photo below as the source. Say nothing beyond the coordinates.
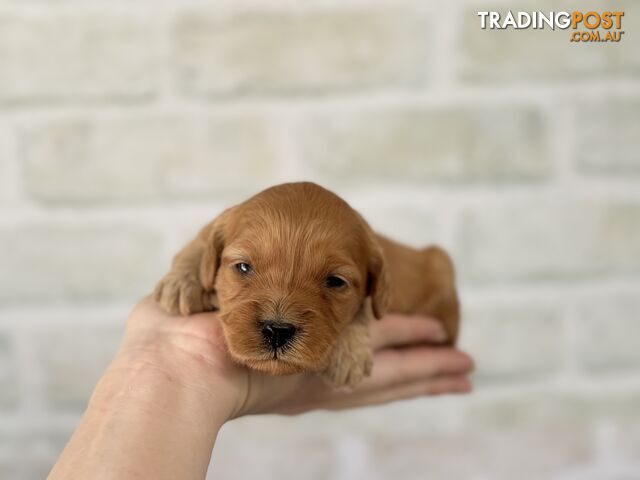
(398, 366)
(456, 384)
(452, 384)
(145, 310)
(395, 374)
(400, 330)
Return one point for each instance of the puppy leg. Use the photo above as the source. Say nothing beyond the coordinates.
(442, 298)
(180, 290)
(351, 359)
(423, 282)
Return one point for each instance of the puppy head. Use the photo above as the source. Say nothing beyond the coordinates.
(291, 267)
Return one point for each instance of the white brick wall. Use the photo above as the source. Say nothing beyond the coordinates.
(323, 50)
(89, 56)
(124, 126)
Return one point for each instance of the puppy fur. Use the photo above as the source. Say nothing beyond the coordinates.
(293, 237)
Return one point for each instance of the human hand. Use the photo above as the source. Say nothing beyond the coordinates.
(172, 385)
(408, 362)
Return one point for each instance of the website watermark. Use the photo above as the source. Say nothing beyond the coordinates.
(590, 26)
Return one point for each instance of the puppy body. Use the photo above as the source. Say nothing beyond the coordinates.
(297, 274)
(422, 282)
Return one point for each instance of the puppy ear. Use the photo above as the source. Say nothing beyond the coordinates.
(379, 287)
(378, 283)
(213, 238)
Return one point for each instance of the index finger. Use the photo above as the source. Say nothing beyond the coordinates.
(395, 330)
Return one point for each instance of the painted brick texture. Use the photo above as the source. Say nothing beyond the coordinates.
(124, 126)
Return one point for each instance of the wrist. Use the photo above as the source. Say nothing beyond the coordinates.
(146, 407)
(149, 378)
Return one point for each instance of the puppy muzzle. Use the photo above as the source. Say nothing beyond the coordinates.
(277, 334)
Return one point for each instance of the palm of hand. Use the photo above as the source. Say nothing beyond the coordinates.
(407, 363)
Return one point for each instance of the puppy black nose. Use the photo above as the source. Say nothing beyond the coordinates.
(277, 334)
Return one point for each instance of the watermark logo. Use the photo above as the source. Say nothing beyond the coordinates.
(587, 27)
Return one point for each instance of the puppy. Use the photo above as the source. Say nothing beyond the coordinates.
(297, 274)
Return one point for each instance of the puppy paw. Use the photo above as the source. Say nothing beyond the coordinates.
(348, 368)
(183, 295)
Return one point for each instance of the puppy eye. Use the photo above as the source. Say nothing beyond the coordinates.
(243, 268)
(334, 282)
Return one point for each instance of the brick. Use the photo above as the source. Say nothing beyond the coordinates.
(442, 414)
(526, 435)
(532, 410)
(307, 454)
(9, 455)
(30, 453)
(615, 412)
(4, 162)
(407, 224)
(550, 239)
(608, 331)
(9, 394)
(530, 434)
(6, 470)
(513, 343)
(467, 456)
(73, 360)
(413, 458)
(146, 158)
(607, 136)
(626, 436)
(414, 146)
(610, 472)
(528, 55)
(53, 56)
(285, 52)
(44, 264)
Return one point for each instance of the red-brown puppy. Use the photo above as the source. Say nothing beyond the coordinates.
(297, 274)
